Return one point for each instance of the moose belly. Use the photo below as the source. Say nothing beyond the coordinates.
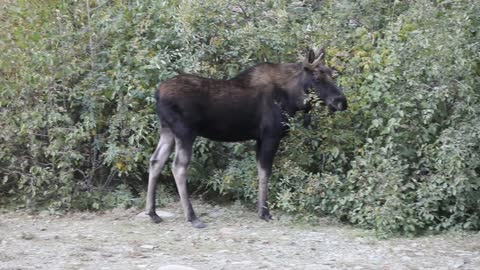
(228, 127)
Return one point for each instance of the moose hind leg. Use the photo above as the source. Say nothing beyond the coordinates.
(183, 154)
(157, 162)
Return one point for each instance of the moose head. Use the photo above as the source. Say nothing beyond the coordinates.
(319, 78)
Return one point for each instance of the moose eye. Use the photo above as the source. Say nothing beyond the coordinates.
(325, 70)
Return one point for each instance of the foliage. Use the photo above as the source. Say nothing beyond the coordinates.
(78, 124)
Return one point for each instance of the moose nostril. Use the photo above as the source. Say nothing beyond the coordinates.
(340, 103)
(340, 106)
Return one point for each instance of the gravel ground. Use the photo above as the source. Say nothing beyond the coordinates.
(234, 239)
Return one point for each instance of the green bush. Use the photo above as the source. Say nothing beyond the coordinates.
(78, 123)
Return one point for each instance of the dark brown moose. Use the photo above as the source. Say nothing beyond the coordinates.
(254, 105)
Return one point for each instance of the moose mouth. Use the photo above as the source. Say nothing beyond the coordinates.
(337, 104)
(336, 108)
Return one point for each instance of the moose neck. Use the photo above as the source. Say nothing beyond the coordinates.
(286, 83)
(290, 90)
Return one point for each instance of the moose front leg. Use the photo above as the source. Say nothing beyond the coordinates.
(266, 150)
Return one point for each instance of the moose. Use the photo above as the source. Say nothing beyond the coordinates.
(254, 105)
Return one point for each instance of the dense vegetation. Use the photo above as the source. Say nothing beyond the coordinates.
(78, 123)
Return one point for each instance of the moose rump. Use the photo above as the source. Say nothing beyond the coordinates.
(254, 105)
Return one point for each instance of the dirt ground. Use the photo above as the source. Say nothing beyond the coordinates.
(234, 239)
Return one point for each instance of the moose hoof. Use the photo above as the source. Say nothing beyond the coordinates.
(155, 218)
(197, 223)
(265, 215)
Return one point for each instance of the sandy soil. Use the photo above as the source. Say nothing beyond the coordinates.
(234, 239)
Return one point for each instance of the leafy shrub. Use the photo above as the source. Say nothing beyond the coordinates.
(78, 124)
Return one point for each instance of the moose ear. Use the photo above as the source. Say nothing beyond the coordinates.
(311, 56)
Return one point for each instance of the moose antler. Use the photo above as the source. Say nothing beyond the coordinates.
(320, 56)
(319, 59)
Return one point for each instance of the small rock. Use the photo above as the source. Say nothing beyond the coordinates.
(44, 213)
(27, 236)
(268, 265)
(142, 216)
(136, 254)
(406, 258)
(315, 267)
(215, 213)
(242, 262)
(160, 213)
(364, 240)
(176, 267)
(147, 246)
(457, 264)
(227, 231)
(285, 218)
(165, 214)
